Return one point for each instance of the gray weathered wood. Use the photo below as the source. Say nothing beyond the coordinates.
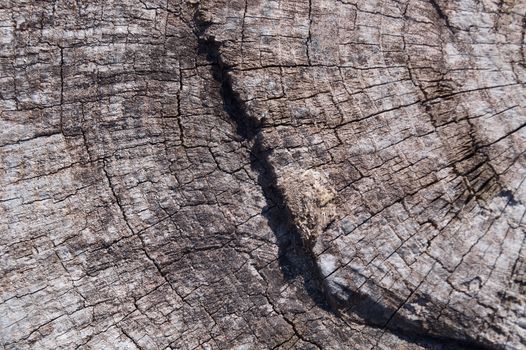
(219, 174)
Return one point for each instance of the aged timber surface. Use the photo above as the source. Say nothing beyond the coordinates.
(318, 174)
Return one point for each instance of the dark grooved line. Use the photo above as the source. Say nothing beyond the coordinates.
(295, 257)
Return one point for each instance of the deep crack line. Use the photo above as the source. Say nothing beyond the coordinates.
(295, 256)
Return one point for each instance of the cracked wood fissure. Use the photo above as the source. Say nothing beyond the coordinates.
(215, 174)
(279, 214)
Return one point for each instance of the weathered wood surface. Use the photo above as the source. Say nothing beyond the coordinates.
(325, 174)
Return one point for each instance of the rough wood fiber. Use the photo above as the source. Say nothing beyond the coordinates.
(318, 174)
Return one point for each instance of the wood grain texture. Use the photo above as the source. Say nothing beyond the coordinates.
(319, 174)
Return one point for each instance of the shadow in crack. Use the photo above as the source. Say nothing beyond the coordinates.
(294, 258)
(375, 314)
